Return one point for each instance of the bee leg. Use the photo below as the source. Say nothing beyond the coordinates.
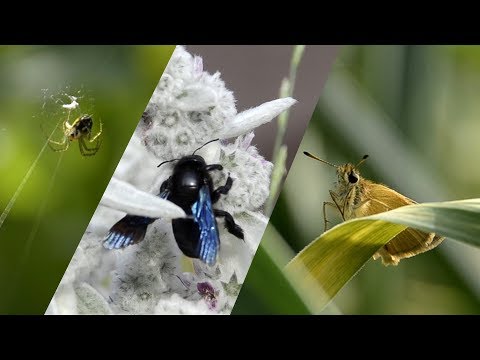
(222, 190)
(325, 221)
(165, 185)
(230, 225)
(213, 167)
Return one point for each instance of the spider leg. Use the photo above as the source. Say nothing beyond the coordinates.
(63, 145)
(98, 134)
(97, 145)
(81, 146)
(85, 150)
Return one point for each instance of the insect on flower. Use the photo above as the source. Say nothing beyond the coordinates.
(355, 197)
(191, 188)
(80, 130)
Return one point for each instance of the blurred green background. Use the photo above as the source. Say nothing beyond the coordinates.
(117, 82)
(416, 111)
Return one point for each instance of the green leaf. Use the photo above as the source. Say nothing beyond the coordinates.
(256, 295)
(331, 260)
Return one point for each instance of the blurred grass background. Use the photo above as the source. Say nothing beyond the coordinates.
(119, 80)
(415, 110)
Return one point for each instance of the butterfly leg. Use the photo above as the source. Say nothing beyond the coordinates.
(222, 190)
(334, 198)
(325, 221)
(232, 228)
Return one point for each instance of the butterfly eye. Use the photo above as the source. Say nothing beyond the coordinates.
(352, 178)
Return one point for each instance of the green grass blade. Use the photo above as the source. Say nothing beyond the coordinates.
(331, 260)
(267, 290)
(459, 220)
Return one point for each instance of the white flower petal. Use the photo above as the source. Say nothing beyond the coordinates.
(175, 305)
(89, 301)
(250, 173)
(64, 301)
(196, 97)
(258, 217)
(236, 255)
(250, 119)
(197, 66)
(125, 197)
(211, 153)
(52, 308)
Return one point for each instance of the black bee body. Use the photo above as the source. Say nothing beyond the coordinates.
(189, 176)
(190, 187)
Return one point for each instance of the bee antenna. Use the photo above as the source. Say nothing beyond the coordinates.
(365, 157)
(164, 162)
(317, 158)
(208, 142)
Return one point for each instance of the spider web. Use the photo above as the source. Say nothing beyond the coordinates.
(64, 105)
(56, 108)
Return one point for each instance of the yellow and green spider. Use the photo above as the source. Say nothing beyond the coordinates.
(80, 130)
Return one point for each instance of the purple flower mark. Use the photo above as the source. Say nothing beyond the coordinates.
(197, 66)
(207, 291)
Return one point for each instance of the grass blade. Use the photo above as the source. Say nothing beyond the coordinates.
(331, 260)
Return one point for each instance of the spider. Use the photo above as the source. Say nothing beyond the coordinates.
(80, 130)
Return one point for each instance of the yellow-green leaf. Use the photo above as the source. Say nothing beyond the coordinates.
(331, 260)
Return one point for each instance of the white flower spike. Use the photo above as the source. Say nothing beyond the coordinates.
(122, 196)
(250, 119)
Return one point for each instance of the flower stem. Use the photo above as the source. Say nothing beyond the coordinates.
(278, 173)
(279, 149)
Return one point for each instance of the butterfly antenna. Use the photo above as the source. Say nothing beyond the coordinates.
(317, 158)
(365, 157)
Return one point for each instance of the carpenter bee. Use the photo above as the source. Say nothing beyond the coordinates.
(190, 187)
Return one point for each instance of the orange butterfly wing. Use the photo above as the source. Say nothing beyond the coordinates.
(410, 242)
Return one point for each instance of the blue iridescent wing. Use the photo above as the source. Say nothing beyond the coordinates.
(129, 230)
(203, 215)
